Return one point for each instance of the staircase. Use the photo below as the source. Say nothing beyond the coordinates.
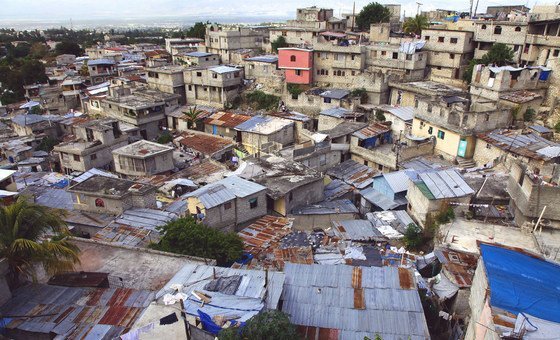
(466, 163)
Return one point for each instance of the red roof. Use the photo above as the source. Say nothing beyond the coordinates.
(204, 143)
(226, 119)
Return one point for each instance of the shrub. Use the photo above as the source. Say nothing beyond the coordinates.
(413, 236)
(379, 116)
(262, 101)
(529, 115)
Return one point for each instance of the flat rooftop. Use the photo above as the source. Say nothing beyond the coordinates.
(142, 149)
(108, 186)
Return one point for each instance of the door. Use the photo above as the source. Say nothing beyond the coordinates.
(214, 130)
(462, 150)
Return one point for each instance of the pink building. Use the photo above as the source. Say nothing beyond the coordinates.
(297, 64)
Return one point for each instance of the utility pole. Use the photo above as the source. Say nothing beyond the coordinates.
(353, 15)
(418, 7)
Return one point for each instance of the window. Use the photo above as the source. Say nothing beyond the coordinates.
(99, 203)
(253, 203)
(199, 74)
(190, 87)
(326, 100)
(488, 146)
(416, 103)
(395, 55)
(322, 159)
(441, 134)
(379, 167)
(284, 33)
(517, 29)
(93, 157)
(430, 130)
(293, 58)
(441, 39)
(290, 197)
(353, 73)
(451, 55)
(295, 96)
(383, 52)
(453, 40)
(215, 75)
(227, 205)
(353, 56)
(487, 118)
(427, 38)
(409, 57)
(430, 108)
(298, 73)
(498, 30)
(555, 53)
(76, 158)
(483, 27)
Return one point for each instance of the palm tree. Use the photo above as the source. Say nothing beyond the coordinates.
(416, 25)
(192, 115)
(23, 241)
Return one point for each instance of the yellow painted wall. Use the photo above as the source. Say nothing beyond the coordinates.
(449, 145)
(280, 206)
(192, 203)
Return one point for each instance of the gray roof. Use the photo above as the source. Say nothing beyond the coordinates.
(30, 119)
(405, 113)
(540, 128)
(446, 184)
(379, 199)
(223, 69)
(344, 206)
(91, 172)
(145, 218)
(397, 219)
(344, 128)
(357, 230)
(198, 54)
(336, 188)
(225, 190)
(398, 180)
(100, 62)
(325, 296)
(257, 284)
(264, 58)
(337, 112)
(50, 197)
(335, 93)
(353, 173)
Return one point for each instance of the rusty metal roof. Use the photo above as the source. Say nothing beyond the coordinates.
(372, 130)
(459, 266)
(523, 144)
(75, 313)
(204, 143)
(226, 119)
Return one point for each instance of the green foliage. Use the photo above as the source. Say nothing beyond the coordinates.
(186, 236)
(22, 243)
(499, 54)
(413, 236)
(262, 101)
(416, 25)
(294, 89)
(359, 93)
(467, 75)
(68, 47)
(446, 215)
(557, 127)
(379, 116)
(278, 43)
(191, 116)
(17, 73)
(38, 50)
(47, 144)
(197, 31)
(164, 138)
(372, 13)
(267, 325)
(529, 115)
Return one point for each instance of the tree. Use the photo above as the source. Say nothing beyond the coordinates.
(39, 50)
(416, 25)
(197, 31)
(22, 229)
(529, 115)
(267, 325)
(191, 115)
(379, 116)
(188, 237)
(467, 75)
(412, 236)
(47, 143)
(68, 47)
(373, 13)
(32, 72)
(165, 138)
(499, 54)
(278, 43)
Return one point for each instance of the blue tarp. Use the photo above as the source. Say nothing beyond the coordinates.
(208, 324)
(544, 75)
(61, 184)
(522, 283)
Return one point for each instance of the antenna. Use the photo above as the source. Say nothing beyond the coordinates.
(418, 7)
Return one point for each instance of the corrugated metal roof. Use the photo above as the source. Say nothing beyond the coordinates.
(263, 124)
(518, 143)
(344, 206)
(75, 313)
(100, 62)
(225, 190)
(337, 112)
(540, 128)
(398, 180)
(264, 58)
(198, 54)
(405, 113)
(336, 189)
(226, 119)
(379, 199)
(335, 93)
(92, 172)
(145, 218)
(326, 296)
(353, 173)
(446, 184)
(372, 130)
(357, 230)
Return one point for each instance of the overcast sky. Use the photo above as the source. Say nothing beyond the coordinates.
(115, 9)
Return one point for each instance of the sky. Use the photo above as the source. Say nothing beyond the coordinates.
(62, 10)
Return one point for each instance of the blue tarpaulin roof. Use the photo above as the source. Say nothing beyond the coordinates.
(522, 283)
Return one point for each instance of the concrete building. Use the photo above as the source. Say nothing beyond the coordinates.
(265, 133)
(449, 53)
(297, 64)
(143, 108)
(227, 203)
(91, 147)
(214, 86)
(223, 41)
(507, 284)
(108, 195)
(330, 118)
(172, 45)
(168, 79)
(289, 184)
(542, 42)
(191, 59)
(143, 158)
(511, 33)
(433, 191)
(100, 70)
(202, 145)
(38, 126)
(264, 70)
(372, 145)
